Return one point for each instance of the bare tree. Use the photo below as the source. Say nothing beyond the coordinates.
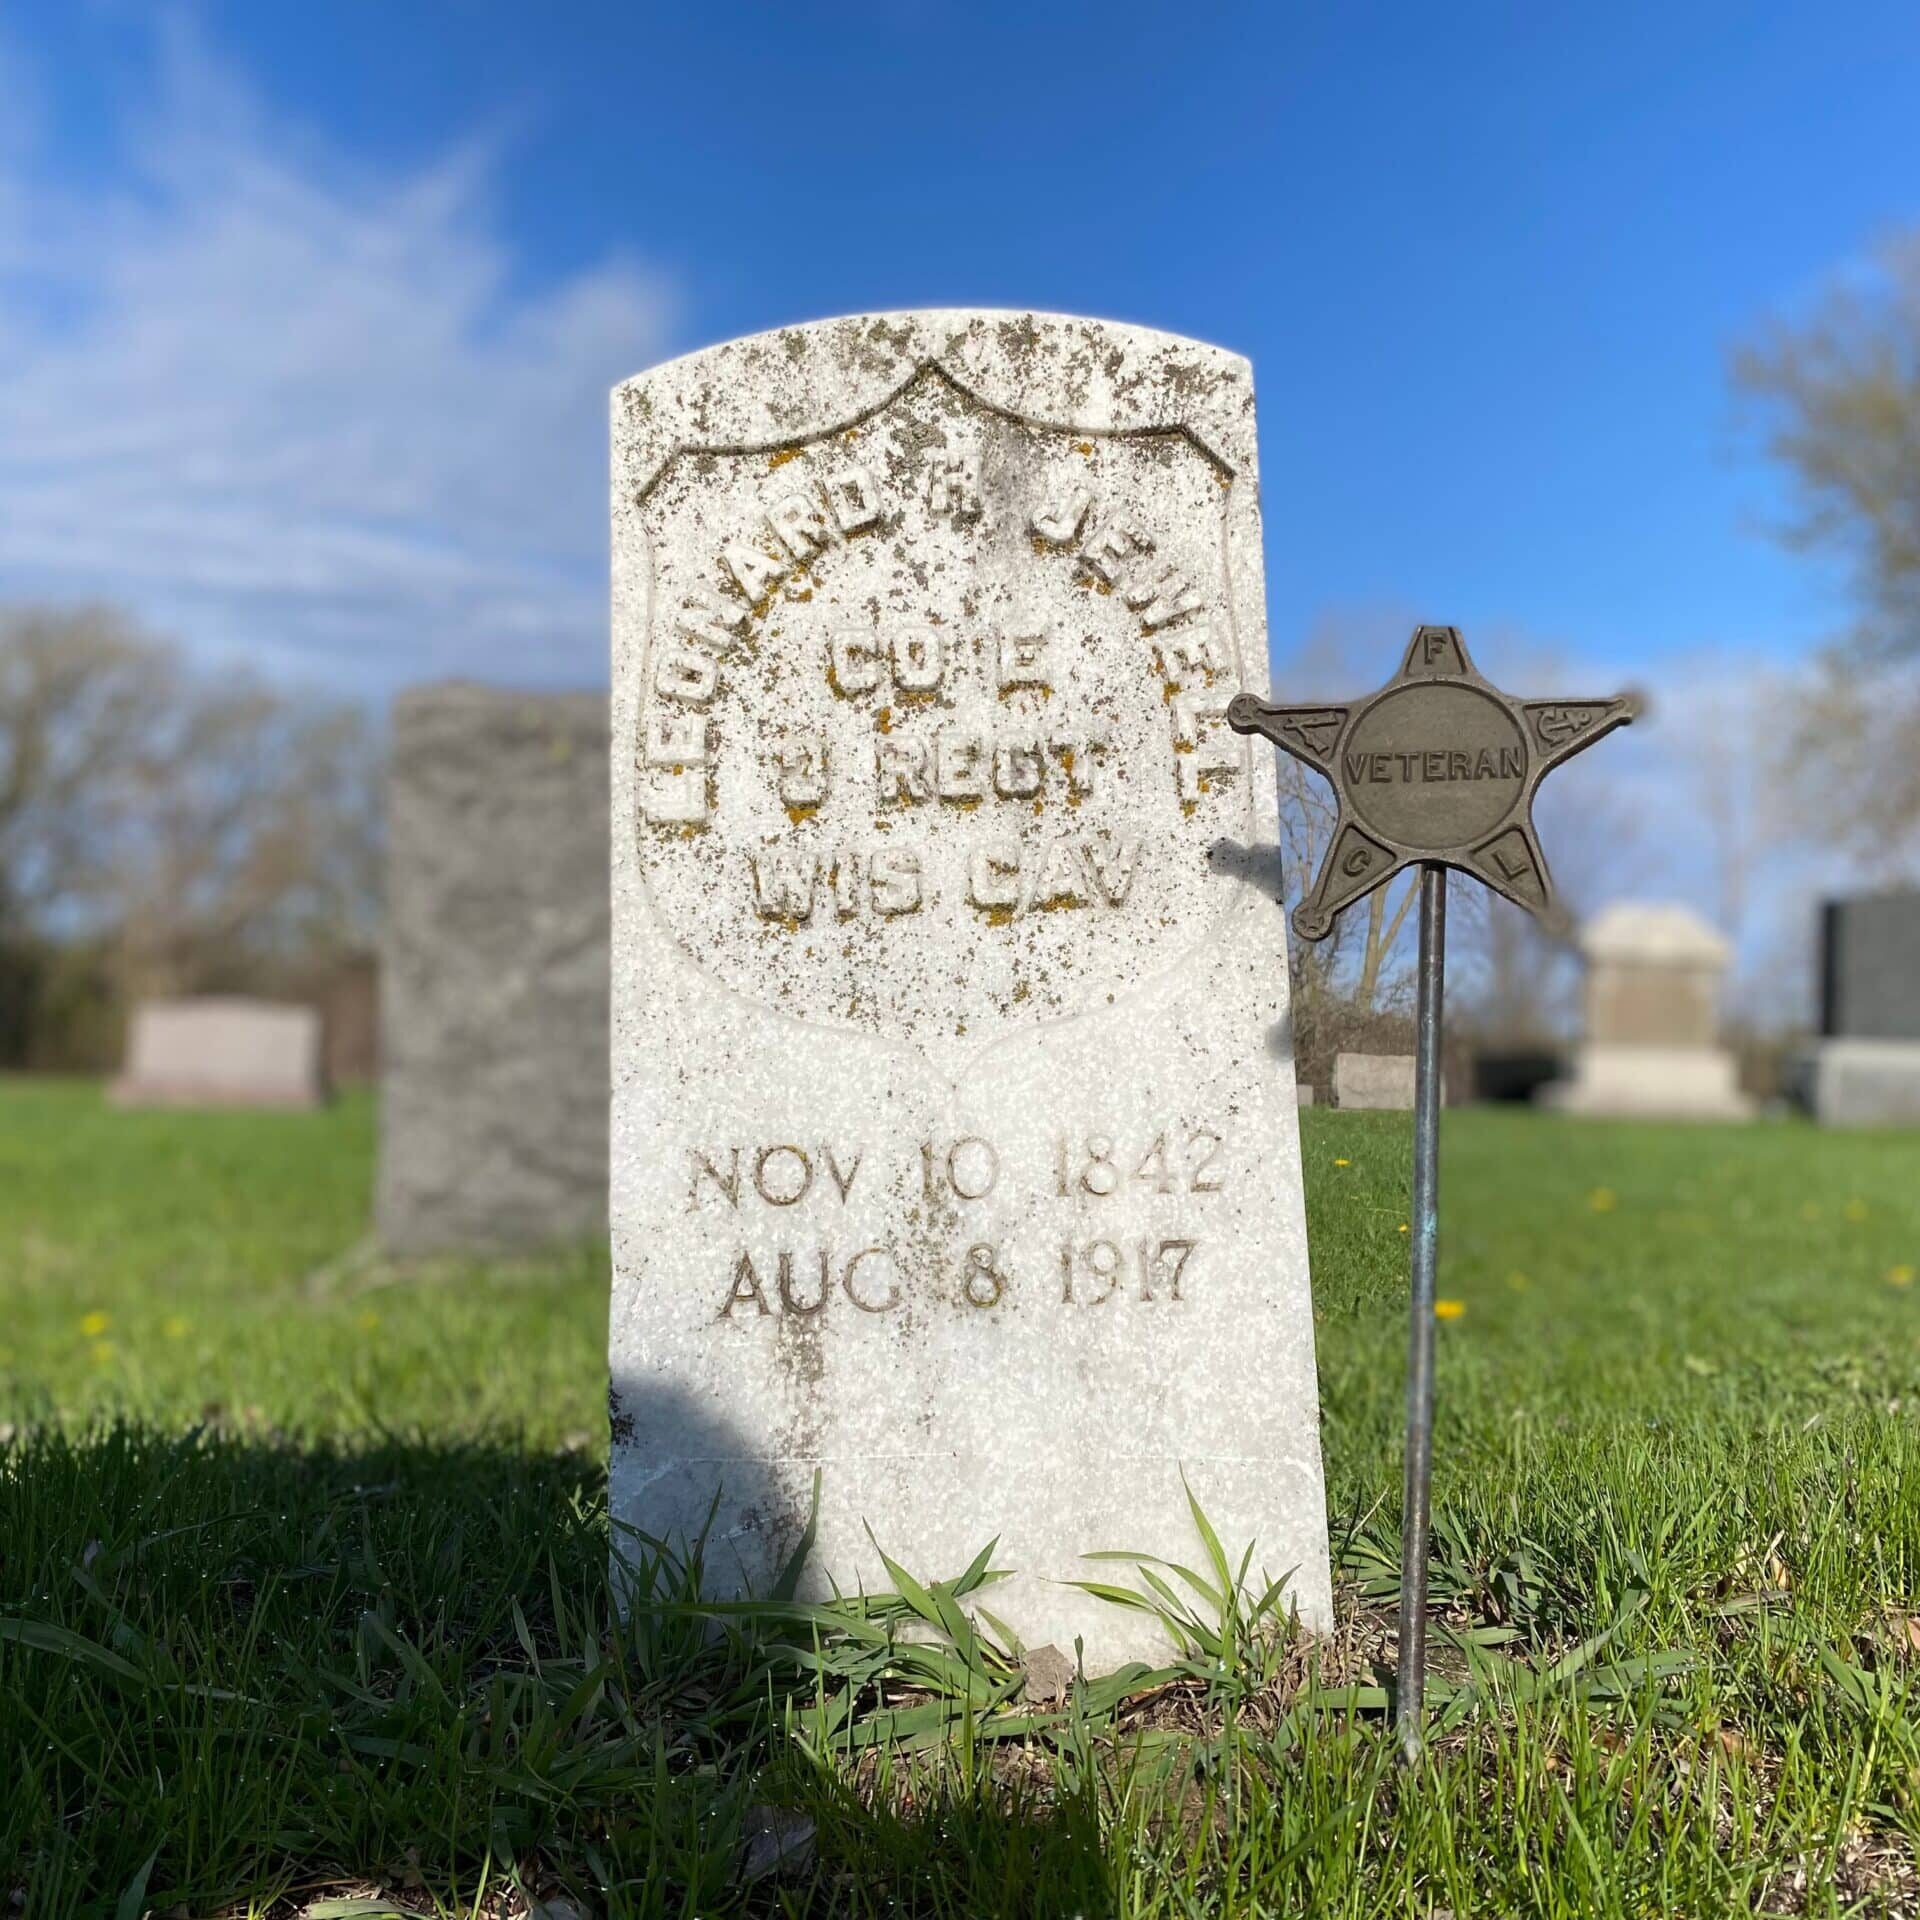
(1362, 961)
(203, 829)
(1854, 756)
(78, 696)
(1838, 394)
(254, 848)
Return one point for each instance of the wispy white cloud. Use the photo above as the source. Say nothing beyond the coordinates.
(300, 410)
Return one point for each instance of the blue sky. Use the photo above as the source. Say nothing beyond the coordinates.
(1487, 261)
(307, 314)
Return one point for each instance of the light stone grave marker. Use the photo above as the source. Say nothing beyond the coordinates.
(955, 1150)
(1374, 1081)
(221, 1051)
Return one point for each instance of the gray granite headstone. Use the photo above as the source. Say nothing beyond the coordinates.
(955, 1152)
(493, 1115)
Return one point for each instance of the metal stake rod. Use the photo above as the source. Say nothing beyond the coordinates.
(1426, 1239)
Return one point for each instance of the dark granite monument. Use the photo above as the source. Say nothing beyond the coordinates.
(1870, 967)
(1865, 1069)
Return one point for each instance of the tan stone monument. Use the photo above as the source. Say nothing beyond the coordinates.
(1652, 1019)
(1373, 1081)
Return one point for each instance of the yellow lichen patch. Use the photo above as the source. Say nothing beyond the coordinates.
(833, 684)
(852, 433)
(781, 455)
(1021, 991)
(798, 814)
(1041, 546)
(1169, 692)
(998, 917)
(883, 720)
(1083, 446)
(1060, 906)
(966, 802)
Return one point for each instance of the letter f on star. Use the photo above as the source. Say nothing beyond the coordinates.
(1438, 702)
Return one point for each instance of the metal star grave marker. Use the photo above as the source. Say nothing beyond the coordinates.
(1437, 769)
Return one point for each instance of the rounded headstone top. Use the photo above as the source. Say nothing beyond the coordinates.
(1653, 930)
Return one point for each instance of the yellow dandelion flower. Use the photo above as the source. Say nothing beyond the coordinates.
(1449, 1309)
(94, 1324)
(174, 1327)
(1899, 1276)
(1403, 1226)
(1343, 1163)
(1856, 1210)
(101, 1352)
(367, 1321)
(1603, 1200)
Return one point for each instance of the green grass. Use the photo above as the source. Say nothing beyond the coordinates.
(302, 1563)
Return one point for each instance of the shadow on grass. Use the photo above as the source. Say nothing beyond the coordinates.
(236, 1668)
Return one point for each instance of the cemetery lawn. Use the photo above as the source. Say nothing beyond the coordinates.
(302, 1593)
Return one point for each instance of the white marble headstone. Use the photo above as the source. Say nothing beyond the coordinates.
(955, 1148)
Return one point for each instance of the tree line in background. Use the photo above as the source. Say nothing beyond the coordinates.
(167, 827)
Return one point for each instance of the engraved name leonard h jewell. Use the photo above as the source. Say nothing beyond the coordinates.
(955, 1152)
(1437, 769)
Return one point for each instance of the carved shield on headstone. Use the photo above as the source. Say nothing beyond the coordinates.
(932, 731)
